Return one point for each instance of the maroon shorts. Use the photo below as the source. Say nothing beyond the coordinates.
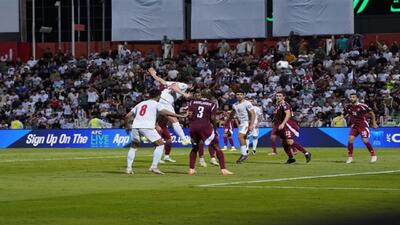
(290, 131)
(228, 128)
(165, 133)
(360, 130)
(162, 122)
(204, 134)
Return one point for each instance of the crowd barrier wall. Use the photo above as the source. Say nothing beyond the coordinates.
(118, 138)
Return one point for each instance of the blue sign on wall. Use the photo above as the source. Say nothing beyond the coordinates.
(117, 138)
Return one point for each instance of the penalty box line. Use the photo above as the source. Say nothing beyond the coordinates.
(297, 178)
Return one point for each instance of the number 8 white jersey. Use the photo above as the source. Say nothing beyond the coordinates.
(146, 114)
(241, 109)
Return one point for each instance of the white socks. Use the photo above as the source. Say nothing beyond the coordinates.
(255, 142)
(158, 151)
(131, 157)
(178, 130)
(243, 150)
(247, 143)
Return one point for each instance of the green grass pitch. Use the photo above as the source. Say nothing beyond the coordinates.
(71, 187)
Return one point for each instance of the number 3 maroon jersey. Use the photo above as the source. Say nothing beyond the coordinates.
(202, 111)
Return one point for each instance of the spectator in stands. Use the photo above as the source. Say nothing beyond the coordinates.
(342, 44)
(16, 124)
(339, 121)
(223, 48)
(62, 93)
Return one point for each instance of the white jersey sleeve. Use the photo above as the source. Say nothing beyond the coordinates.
(242, 111)
(160, 107)
(248, 105)
(170, 96)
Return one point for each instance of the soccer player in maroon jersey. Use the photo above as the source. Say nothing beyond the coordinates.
(228, 128)
(202, 123)
(211, 150)
(357, 112)
(287, 128)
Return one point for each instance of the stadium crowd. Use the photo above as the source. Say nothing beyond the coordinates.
(57, 91)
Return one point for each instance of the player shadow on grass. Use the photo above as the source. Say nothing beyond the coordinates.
(175, 172)
(333, 161)
(263, 162)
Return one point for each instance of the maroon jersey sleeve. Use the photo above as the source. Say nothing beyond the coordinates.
(358, 114)
(280, 114)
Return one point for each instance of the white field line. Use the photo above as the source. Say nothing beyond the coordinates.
(298, 178)
(85, 158)
(311, 188)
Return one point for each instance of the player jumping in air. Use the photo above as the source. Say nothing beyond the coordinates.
(202, 125)
(357, 112)
(172, 92)
(287, 128)
(144, 124)
(245, 114)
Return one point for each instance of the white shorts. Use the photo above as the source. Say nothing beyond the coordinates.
(168, 106)
(243, 128)
(150, 133)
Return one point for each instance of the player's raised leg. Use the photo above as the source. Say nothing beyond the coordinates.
(300, 148)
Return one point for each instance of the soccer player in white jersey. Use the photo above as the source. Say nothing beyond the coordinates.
(254, 134)
(245, 114)
(144, 123)
(172, 92)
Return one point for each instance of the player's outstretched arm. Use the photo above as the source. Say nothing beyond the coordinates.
(175, 88)
(153, 73)
(165, 112)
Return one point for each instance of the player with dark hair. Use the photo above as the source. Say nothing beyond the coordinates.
(173, 91)
(202, 123)
(357, 112)
(287, 128)
(246, 116)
